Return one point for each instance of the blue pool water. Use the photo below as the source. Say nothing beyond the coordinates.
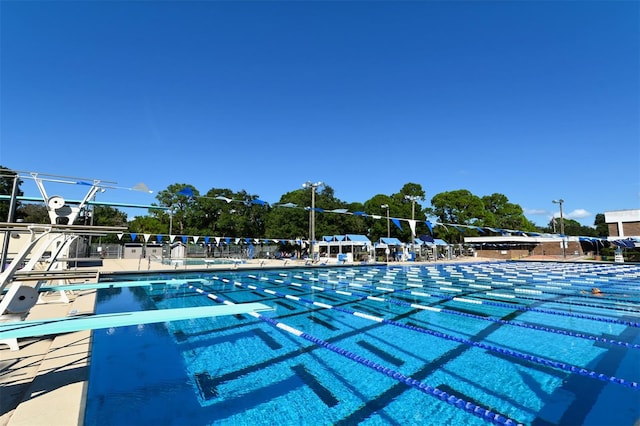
(499, 342)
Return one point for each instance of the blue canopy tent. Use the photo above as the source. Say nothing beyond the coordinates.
(434, 242)
(619, 243)
(390, 242)
(389, 247)
(593, 243)
(434, 245)
(626, 243)
(347, 247)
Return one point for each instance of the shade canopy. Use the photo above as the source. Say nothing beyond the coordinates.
(354, 239)
(391, 241)
(435, 242)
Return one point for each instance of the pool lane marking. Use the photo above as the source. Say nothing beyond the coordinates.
(532, 358)
(607, 274)
(615, 301)
(478, 317)
(574, 280)
(452, 400)
(526, 308)
(615, 307)
(414, 272)
(501, 305)
(511, 306)
(532, 272)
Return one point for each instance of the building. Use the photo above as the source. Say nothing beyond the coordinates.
(623, 223)
(521, 246)
(624, 232)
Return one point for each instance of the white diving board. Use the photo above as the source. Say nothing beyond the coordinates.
(21, 329)
(116, 284)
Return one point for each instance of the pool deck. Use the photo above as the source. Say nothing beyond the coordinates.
(44, 382)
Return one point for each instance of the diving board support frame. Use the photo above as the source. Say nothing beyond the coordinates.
(60, 213)
(57, 206)
(7, 274)
(20, 297)
(10, 332)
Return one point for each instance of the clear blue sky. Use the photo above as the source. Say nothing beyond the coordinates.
(536, 100)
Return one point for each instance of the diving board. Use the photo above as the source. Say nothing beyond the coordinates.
(33, 328)
(118, 284)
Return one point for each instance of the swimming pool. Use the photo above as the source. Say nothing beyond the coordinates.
(447, 344)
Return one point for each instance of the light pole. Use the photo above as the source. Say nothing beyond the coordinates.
(386, 206)
(387, 251)
(413, 199)
(312, 214)
(170, 229)
(564, 250)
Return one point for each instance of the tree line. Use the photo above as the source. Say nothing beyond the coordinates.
(221, 212)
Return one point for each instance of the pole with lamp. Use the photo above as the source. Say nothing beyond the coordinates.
(386, 207)
(387, 251)
(564, 250)
(413, 199)
(170, 211)
(312, 214)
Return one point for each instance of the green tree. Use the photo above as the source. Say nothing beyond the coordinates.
(213, 213)
(330, 221)
(222, 212)
(602, 229)
(459, 207)
(289, 217)
(108, 216)
(407, 204)
(505, 215)
(34, 213)
(378, 227)
(7, 177)
(180, 199)
(412, 190)
(571, 227)
(400, 206)
(354, 224)
(146, 225)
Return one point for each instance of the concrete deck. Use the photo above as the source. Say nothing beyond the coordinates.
(44, 382)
